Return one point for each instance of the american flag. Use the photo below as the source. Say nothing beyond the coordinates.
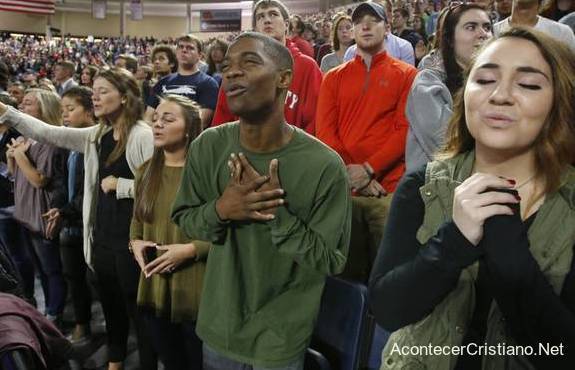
(28, 6)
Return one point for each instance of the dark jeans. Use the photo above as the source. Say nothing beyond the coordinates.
(177, 344)
(117, 276)
(14, 244)
(46, 257)
(215, 361)
(72, 253)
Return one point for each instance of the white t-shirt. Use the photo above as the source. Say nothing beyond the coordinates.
(554, 29)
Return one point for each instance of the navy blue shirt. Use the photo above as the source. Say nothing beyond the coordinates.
(199, 87)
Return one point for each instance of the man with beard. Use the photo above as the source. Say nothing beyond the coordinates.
(361, 115)
(277, 227)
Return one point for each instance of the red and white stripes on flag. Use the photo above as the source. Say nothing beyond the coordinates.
(28, 6)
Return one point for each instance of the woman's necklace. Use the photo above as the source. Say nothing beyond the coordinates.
(525, 182)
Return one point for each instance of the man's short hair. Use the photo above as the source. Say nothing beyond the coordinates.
(404, 12)
(299, 25)
(8, 100)
(270, 4)
(67, 65)
(170, 53)
(82, 95)
(191, 38)
(277, 52)
(131, 62)
(18, 84)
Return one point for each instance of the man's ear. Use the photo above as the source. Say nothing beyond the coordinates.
(285, 77)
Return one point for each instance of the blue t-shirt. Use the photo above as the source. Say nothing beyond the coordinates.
(199, 87)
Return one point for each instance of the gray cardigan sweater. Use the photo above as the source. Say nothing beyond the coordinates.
(428, 109)
(139, 148)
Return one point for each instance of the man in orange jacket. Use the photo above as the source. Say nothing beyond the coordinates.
(361, 114)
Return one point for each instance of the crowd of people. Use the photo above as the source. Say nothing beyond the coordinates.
(438, 147)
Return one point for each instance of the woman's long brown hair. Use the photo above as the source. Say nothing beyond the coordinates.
(132, 108)
(554, 147)
(148, 187)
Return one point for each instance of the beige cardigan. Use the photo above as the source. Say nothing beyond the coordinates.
(139, 148)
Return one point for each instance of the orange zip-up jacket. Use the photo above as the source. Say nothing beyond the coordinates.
(361, 114)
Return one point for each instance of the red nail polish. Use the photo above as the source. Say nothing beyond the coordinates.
(517, 197)
(512, 182)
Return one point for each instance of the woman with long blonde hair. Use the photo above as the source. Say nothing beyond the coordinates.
(39, 174)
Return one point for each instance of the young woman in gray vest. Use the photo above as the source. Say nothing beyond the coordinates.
(476, 267)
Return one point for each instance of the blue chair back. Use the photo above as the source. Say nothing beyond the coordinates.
(378, 341)
(341, 322)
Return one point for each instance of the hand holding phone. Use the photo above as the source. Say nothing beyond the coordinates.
(150, 253)
(515, 207)
(478, 198)
(143, 250)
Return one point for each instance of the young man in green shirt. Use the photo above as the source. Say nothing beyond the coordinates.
(275, 203)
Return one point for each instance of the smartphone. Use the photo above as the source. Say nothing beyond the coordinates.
(515, 207)
(150, 254)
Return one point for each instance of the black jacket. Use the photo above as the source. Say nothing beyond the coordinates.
(6, 186)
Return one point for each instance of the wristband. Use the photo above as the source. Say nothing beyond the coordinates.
(367, 169)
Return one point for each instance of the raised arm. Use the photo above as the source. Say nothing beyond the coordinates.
(63, 137)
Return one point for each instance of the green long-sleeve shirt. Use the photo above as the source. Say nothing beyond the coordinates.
(264, 280)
